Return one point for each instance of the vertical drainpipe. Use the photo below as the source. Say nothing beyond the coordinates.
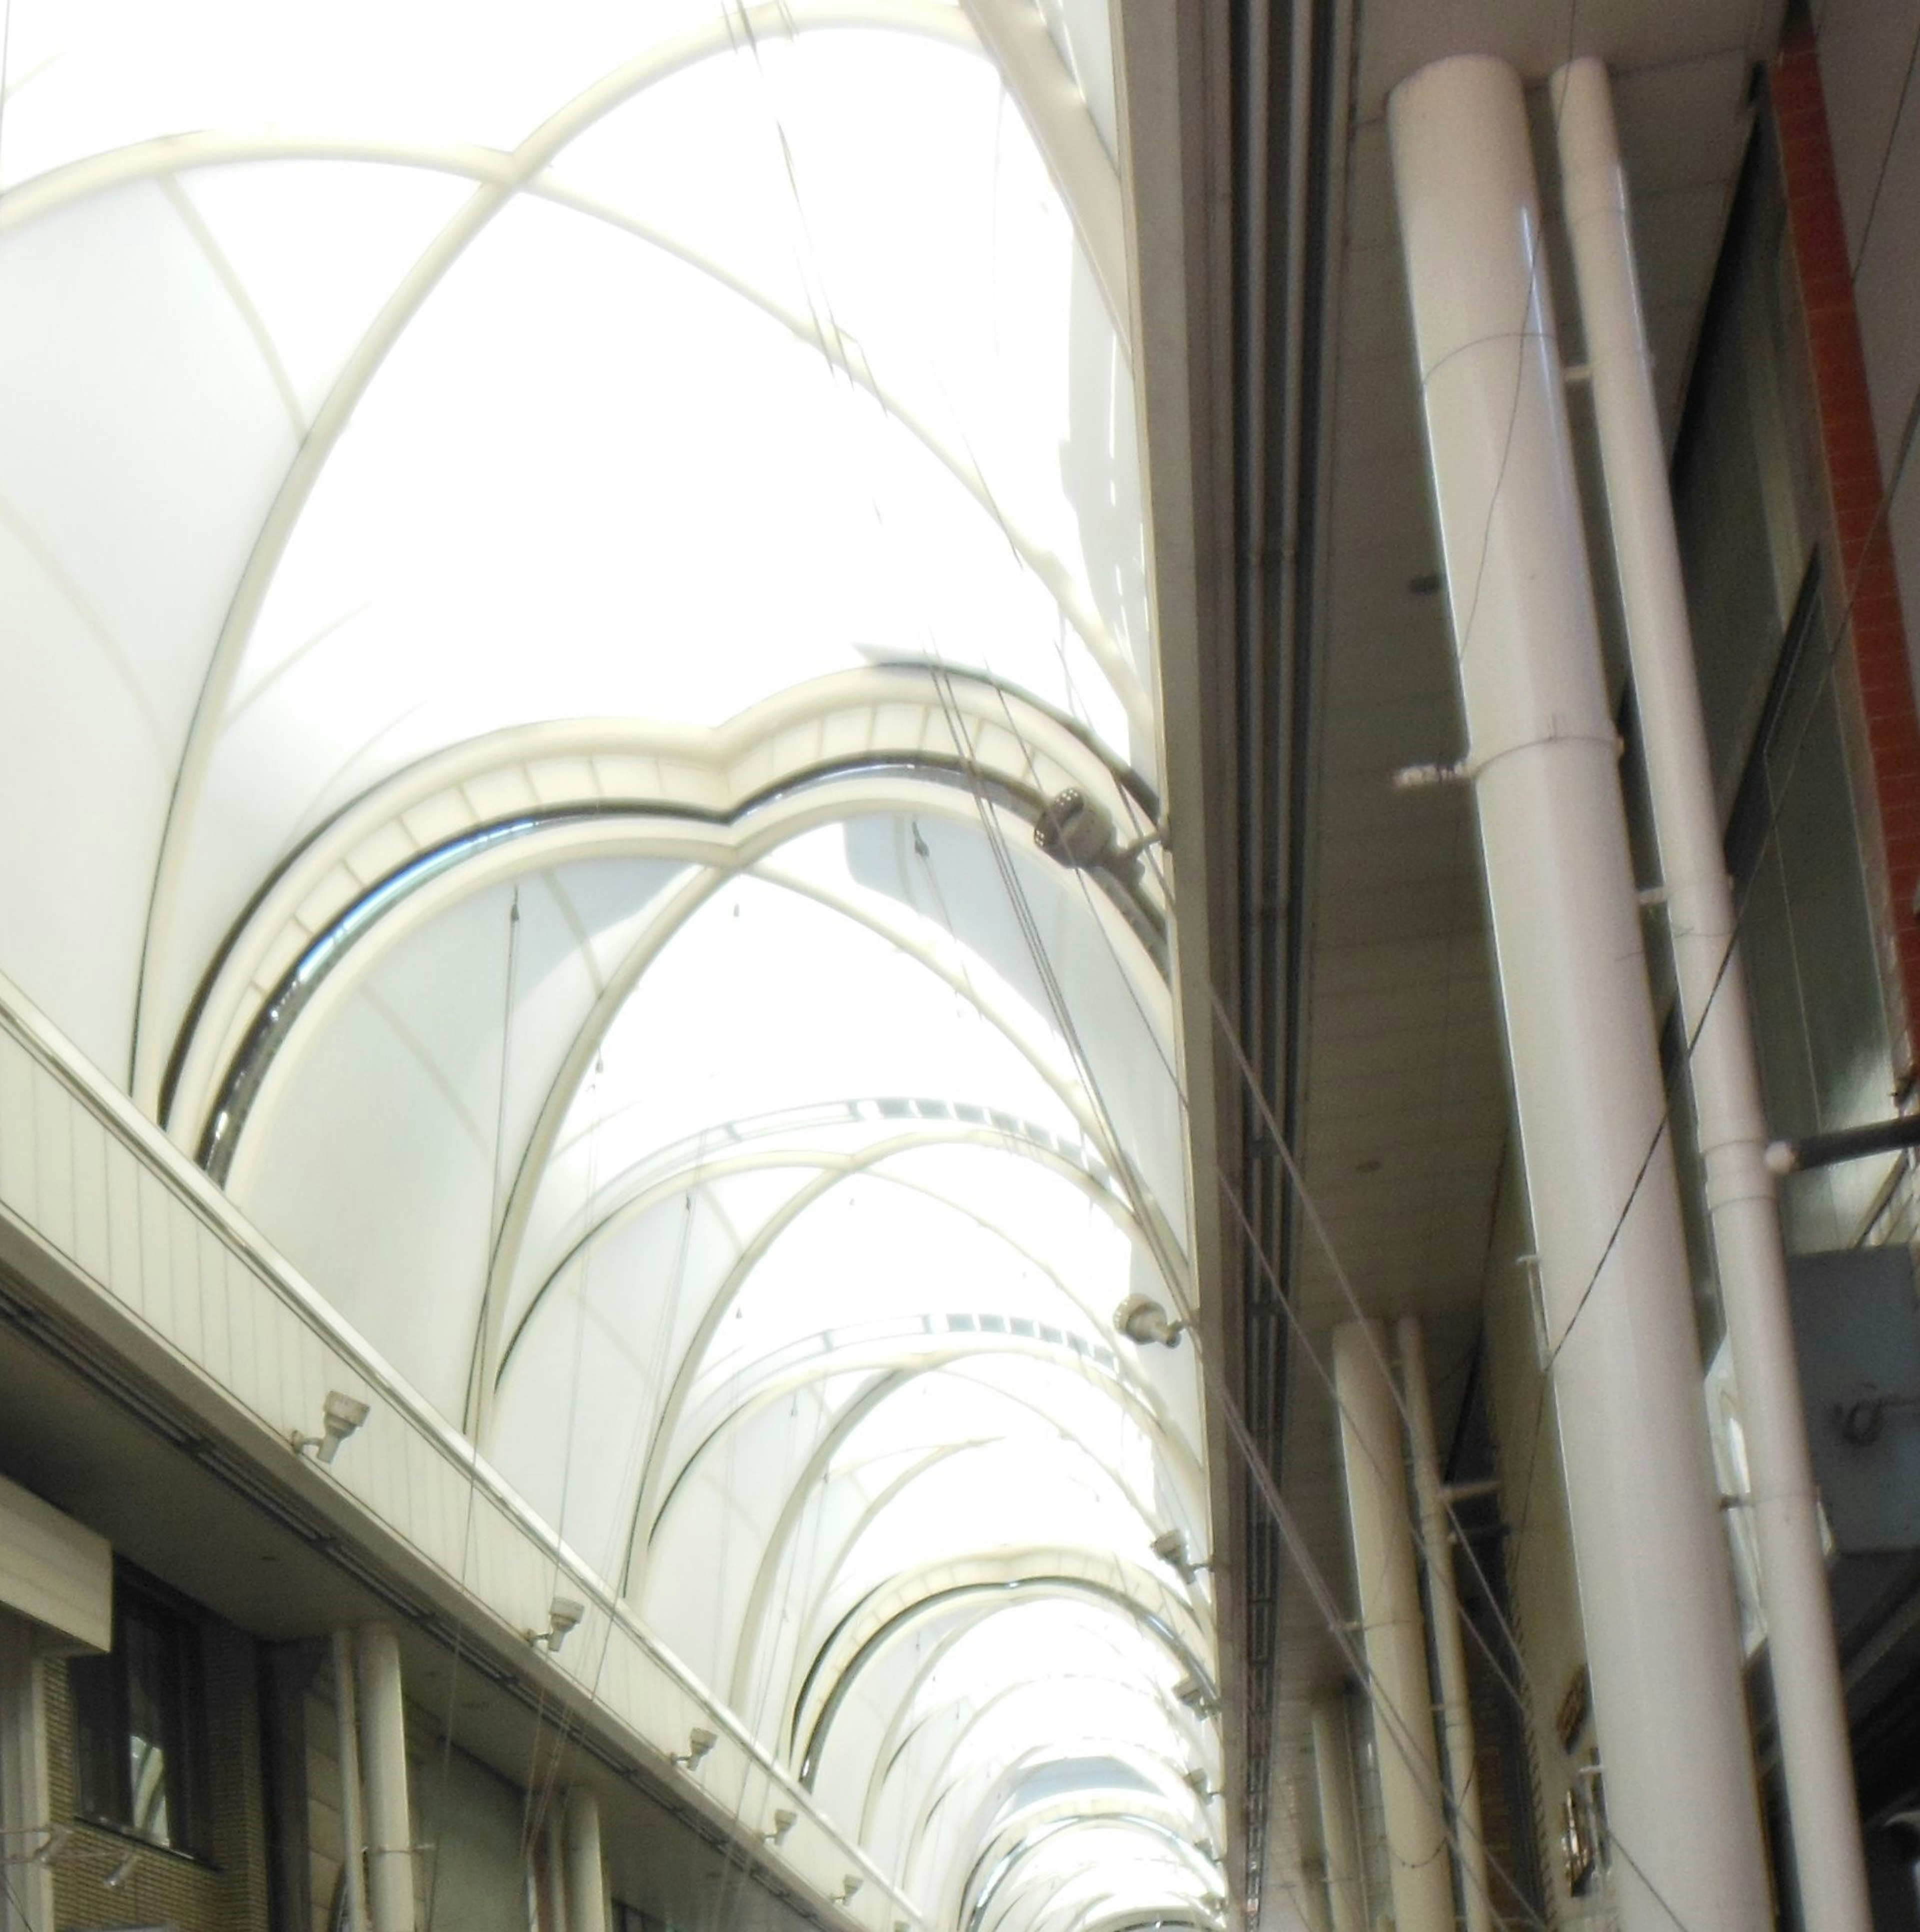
(1339, 1828)
(353, 1829)
(1450, 1654)
(1392, 1631)
(1656, 1596)
(586, 1873)
(1817, 1770)
(390, 1823)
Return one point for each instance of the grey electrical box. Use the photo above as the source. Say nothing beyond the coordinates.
(1856, 1323)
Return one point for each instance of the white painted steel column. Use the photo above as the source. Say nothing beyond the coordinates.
(1655, 1589)
(1392, 1630)
(1339, 1828)
(586, 1870)
(1450, 1653)
(390, 1823)
(26, 1803)
(352, 1827)
(1829, 1862)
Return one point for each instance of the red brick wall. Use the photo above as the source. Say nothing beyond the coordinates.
(1866, 590)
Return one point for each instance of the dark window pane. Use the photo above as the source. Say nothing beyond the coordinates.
(139, 1727)
(100, 1729)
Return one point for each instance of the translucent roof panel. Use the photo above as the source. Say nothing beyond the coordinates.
(555, 568)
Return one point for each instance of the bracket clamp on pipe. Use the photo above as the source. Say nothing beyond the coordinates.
(1422, 777)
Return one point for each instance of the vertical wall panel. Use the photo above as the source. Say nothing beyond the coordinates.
(53, 1145)
(89, 1172)
(124, 1255)
(216, 1354)
(156, 1252)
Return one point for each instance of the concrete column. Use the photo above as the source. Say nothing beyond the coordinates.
(1829, 1861)
(389, 1825)
(26, 1805)
(1656, 1594)
(586, 1869)
(1392, 1631)
(1449, 1652)
(1339, 1827)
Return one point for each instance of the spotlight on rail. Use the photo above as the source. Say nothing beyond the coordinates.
(699, 1741)
(340, 1416)
(563, 1615)
(1142, 1319)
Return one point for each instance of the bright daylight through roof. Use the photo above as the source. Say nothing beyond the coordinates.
(582, 734)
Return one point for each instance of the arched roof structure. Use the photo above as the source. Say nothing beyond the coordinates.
(555, 561)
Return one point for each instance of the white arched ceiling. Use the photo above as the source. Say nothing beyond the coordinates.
(546, 594)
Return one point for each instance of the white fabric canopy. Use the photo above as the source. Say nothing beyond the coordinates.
(551, 565)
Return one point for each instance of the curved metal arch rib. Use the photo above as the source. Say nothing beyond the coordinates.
(952, 1352)
(941, 1787)
(963, 981)
(840, 1166)
(794, 1510)
(932, 780)
(900, 1735)
(166, 158)
(1056, 1583)
(780, 18)
(979, 1887)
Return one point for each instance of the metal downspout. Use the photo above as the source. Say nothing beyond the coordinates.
(1624, 1362)
(1828, 1862)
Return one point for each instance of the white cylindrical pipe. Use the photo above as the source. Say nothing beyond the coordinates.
(353, 1829)
(1339, 1822)
(1655, 1591)
(389, 1825)
(586, 1868)
(1449, 1652)
(1828, 1859)
(1392, 1630)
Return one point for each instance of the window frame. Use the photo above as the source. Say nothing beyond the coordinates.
(103, 1688)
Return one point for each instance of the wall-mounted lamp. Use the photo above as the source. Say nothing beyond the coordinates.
(1170, 1547)
(783, 1822)
(1196, 1781)
(341, 1416)
(564, 1614)
(1142, 1319)
(699, 1742)
(121, 1872)
(1197, 1697)
(849, 1885)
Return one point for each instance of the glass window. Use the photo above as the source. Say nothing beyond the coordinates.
(1808, 939)
(140, 1727)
